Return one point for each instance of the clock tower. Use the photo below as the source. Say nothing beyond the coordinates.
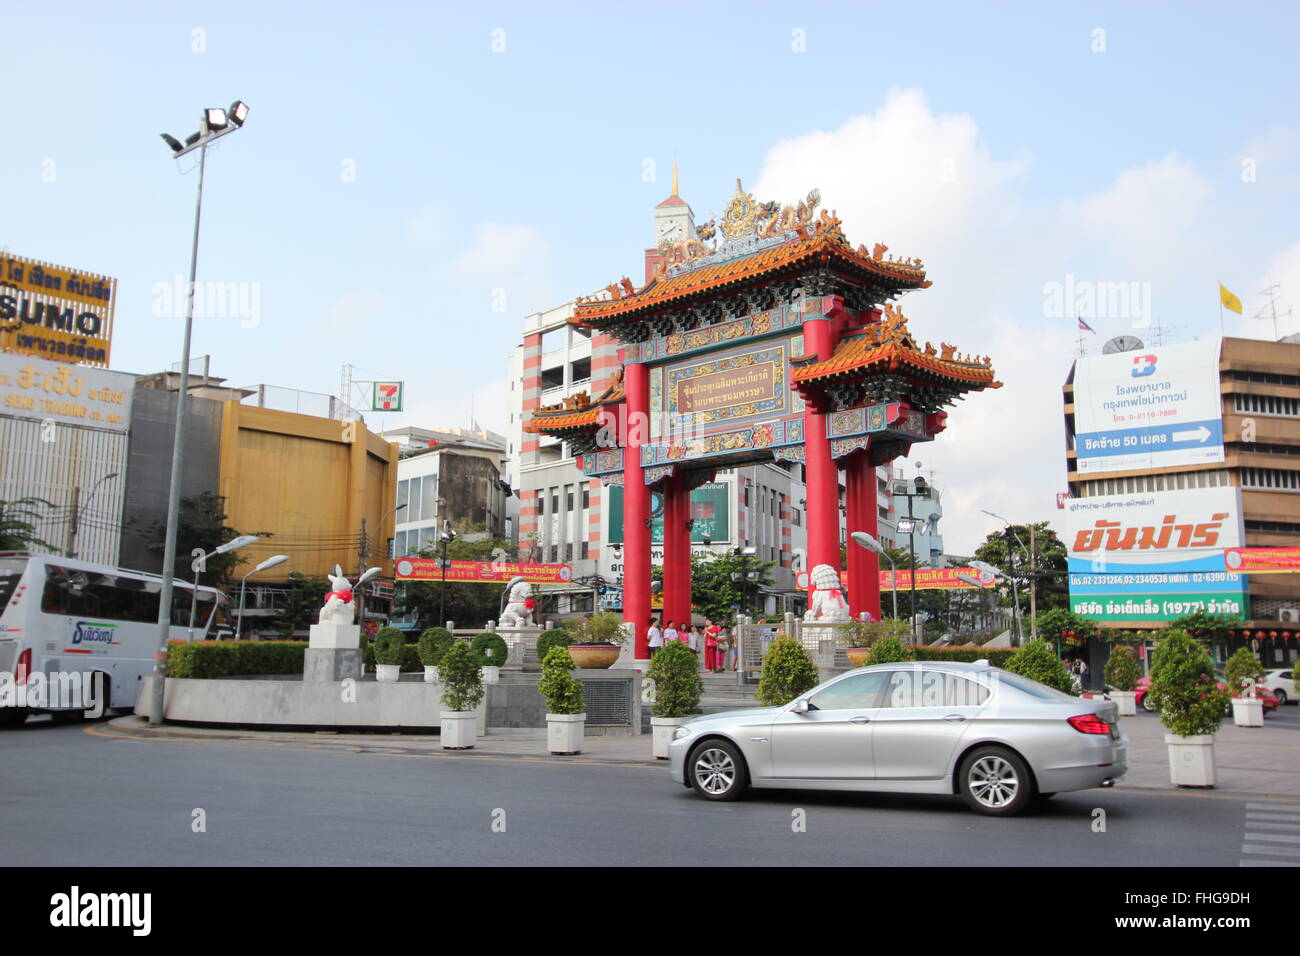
(674, 222)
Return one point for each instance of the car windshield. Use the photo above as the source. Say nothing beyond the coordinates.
(1032, 687)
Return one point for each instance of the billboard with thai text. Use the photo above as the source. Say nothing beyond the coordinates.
(1145, 558)
(1152, 408)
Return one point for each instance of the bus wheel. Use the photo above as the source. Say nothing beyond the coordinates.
(12, 716)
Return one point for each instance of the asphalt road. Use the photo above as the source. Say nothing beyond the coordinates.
(78, 795)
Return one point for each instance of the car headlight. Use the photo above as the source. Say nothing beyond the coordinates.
(681, 733)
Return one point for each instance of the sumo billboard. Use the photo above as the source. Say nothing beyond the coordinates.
(1145, 558)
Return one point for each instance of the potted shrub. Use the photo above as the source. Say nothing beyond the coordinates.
(856, 637)
(490, 651)
(1037, 661)
(462, 689)
(676, 675)
(1191, 706)
(557, 637)
(788, 671)
(1242, 674)
(597, 640)
(891, 650)
(1122, 672)
(565, 707)
(389, 648)
(433, 643)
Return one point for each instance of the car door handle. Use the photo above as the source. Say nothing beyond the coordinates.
(956, 718)
(859, 720)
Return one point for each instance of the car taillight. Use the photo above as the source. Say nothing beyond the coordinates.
(24, 667)
(1089, 724)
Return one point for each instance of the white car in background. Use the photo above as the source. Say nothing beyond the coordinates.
(1281, 684)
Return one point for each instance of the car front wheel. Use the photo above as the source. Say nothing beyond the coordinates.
(996, 782)
(1281, 697)
(717, 771)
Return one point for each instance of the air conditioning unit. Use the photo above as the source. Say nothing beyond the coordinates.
(1291, 614)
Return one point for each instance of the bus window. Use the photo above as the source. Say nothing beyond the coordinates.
(87, 594)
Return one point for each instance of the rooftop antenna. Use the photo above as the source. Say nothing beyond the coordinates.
(1272, 292)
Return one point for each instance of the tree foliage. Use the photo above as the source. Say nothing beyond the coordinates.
(1002, 550)
(462, 681)
(1243, 672)
(890, 650)
(202, 525)
(304, 597)
(563, 691)
(1063, 624)
(1122, 670)
(1205, 627)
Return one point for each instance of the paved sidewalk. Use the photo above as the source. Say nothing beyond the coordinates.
(1250, 760)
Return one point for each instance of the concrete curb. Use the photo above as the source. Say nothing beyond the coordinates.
(134, 726)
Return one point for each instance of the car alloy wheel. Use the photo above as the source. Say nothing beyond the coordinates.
(717, 771)
(996, 781)
(1281, 697)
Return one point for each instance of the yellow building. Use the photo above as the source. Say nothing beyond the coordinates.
(319, 487)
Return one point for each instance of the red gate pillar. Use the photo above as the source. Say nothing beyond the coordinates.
(636, 506)
(822, 474)
(864, 566)
(677, 551)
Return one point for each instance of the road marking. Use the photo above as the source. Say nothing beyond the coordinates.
(1263, 820)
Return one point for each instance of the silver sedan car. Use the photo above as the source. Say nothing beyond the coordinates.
(998, 739)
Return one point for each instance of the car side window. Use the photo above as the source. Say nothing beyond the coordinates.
(960, 692)
(914, 687)
(860, 690)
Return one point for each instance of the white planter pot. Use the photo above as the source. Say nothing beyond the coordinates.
(661, 728)
(1248, 712)
(388, 673)
(459, 729)
(431, 673)
(1191, 760)
(491, 675)
(564, 733)
(1126, 700)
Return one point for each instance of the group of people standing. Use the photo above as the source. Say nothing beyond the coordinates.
(714, 639)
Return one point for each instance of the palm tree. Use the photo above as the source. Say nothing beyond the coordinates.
(17, 524)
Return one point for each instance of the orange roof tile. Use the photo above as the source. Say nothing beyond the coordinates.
(860, 353)
(828, 245)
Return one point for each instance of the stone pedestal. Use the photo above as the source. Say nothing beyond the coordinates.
(333, 653)
(522, 642)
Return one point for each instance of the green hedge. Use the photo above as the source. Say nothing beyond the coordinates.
(490, 650)
(234, 658)
(557, 637)
(410, 658)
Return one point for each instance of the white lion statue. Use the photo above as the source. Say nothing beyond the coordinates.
(825, 599)
(339, 607)
(519, 612)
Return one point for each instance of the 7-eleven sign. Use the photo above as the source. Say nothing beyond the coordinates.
(387, 397)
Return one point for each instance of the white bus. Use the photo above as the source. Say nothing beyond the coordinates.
(69, 620)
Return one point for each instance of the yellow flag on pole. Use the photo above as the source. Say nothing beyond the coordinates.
(1229, 300)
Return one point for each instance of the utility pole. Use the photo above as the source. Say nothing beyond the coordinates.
(71, 548)
(1033, 581)
(364, 552)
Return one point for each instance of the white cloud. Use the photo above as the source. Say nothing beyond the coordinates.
(508, 265)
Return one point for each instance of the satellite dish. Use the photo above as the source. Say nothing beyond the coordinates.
(1121, 343)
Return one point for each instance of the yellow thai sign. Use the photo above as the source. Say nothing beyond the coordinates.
(54, 312)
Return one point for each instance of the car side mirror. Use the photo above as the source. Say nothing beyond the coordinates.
(800, 706)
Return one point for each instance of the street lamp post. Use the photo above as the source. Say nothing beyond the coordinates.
(1009, 529)
(200, 563)
(74, 526)
(214, 124)
(243, 583)
(862, 539)
(445, 538)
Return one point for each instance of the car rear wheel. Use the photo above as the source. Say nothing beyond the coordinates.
(717, 771)
(996, 782)
(1281, 697)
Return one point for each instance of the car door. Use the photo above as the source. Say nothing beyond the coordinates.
(832, 739)
(923, 716)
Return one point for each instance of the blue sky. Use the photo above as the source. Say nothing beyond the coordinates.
(521, 171)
